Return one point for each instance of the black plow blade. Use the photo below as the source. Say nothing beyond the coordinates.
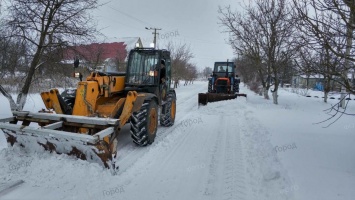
(204, 98)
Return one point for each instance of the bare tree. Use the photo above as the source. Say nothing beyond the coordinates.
(330, 26)
(180, 60)
(248, 71)
(265, 33)
(207, 72)
(91, 55)
(245, 42)
(12, 56)
(120, 61)
(312, 61)
(191, 73)
(44, 26)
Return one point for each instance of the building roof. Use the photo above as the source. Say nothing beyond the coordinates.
(312, 76)
(319, 76)
(100, 52)
(130, 42)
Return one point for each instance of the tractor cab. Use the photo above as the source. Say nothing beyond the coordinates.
(223, 79)
(223, 69)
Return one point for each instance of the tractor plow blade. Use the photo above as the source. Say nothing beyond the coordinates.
(92, 148)
(204, 98)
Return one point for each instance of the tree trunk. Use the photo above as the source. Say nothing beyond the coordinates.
(266, 93)
(326, 88)
(274, 97)
(325, 96)
(22, 96)
(274, 92)
(13, 105)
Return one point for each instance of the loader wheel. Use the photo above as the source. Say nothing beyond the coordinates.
(69, 101)
(168, 118)
(69, 97)
(209, 86)
(144, 123)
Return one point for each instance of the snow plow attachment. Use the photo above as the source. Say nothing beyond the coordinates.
(57, 133)
(204, 98)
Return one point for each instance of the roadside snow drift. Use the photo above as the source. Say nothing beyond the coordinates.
(237, 149)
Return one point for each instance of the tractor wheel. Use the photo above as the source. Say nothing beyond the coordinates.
(209, 86)
(144, 123)
(168, 118)
(236, 87)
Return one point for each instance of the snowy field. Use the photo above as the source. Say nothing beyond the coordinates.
(238, 149)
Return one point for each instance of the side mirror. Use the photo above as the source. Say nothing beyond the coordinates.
(76, 63)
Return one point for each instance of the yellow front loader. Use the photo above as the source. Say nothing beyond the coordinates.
(87, 124)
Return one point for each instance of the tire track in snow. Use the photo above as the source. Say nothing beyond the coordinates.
(227, 172)
(211, 185)
(177, 151)
(234, 181)
(132, 157)
(265, 175)
(130, 153)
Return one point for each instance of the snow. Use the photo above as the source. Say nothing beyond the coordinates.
(320, 76)
(237, 149)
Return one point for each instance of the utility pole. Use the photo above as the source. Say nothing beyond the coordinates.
(155, 34)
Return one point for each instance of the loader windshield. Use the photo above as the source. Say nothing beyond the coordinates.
(141, 67)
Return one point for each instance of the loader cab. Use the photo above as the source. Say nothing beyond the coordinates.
(144, 70)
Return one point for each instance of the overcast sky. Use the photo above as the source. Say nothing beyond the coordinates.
(194, 22)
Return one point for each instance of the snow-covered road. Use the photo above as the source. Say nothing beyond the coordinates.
(220, 151)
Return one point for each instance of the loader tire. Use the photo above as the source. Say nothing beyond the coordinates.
(168, 118)
(144, 123)
(69, 101)
(69, 97)
(209, 86)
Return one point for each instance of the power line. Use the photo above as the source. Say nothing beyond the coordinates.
(130, 16)
(203, 41)
(118, 22)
